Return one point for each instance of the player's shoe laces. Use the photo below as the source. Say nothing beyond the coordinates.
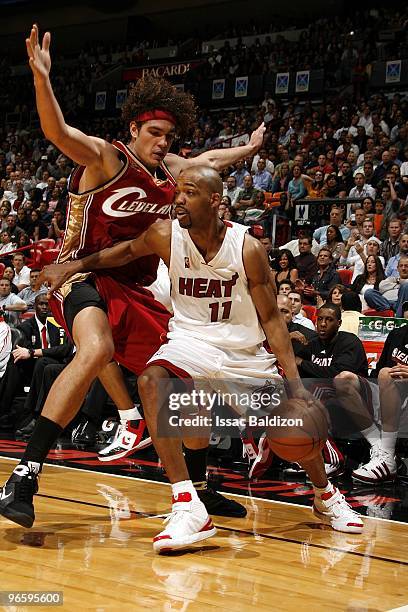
(381, 467)
(16, 496)
(263, 459)
(187, 524)
(333, 459)
(129, 438)
(332, 509)
(219, 505)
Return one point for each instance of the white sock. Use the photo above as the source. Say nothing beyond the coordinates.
(372, 434)
(184, 486)
(132, 414)
(328, 489)
(388, 441)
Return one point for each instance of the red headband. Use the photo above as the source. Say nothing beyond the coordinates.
(156, 113)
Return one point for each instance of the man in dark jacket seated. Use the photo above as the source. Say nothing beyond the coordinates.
(41, 343)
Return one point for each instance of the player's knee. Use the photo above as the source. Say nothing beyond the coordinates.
(98, 352)
(346, 381)
(147, 387)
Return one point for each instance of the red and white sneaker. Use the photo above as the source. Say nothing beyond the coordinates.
(381, 467)
(333, 459)
(129, 438)
(249, 446)
(332, 509)
(263, 459)
(187, 524)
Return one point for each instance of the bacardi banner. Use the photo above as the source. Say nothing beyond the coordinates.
(176, 69)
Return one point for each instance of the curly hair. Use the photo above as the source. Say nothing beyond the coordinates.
(152, 93)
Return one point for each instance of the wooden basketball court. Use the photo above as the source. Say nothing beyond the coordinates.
(92, 541)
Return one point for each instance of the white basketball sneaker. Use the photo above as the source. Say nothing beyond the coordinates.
(130, 437)
(332, 509)
(381, 467)
(187, 524)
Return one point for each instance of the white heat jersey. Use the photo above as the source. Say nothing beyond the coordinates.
(211, 301)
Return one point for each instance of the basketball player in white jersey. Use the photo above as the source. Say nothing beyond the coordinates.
(224, 305)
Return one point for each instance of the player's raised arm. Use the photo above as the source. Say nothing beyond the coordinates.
(83, 149)
(153, 241)
(264, 299)
(218, 158)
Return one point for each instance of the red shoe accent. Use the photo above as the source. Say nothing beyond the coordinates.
(353, 524)
(161, 537)
(326, 496)
(181, 497)
(207, 526)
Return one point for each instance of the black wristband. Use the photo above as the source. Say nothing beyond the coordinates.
(31, 351)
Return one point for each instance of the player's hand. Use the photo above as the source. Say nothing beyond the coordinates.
(39, 57)
(297, 335)
(399, 371)
(256, 139)
(55, 275)
(20, 353)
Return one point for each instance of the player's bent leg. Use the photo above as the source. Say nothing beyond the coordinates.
(195, 455)
(329, 504)
(382, 467)
(131, 435)
(188, 522)
(92, 336)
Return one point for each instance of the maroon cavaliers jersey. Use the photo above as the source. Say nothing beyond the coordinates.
(121, 209)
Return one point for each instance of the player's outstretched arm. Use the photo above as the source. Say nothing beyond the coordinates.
(218, 158)
(83, 149)
(119, 255)
(264, 298)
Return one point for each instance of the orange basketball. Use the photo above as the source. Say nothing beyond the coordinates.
(300, 431)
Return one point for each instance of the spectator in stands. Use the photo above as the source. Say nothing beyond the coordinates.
(351, 312)
(263, 154)
(324, 279)
(38, 229)
(296, 187)
(22, 272)
(370, 279)
(10, 274)
(262, 179)
(392, 292)
(368, 207)
(28, 294)
(392, 265)
(240, 173)
(346, 177)
(295, 298)
(281, 181)
(315, 187)
(246, 197)
(6, 244)
(285, 267)
(24, 241)
(332, 186)
(382, 168)
(334, 241)
(300, 335)
(361, 189)
(22, 221)
(390, 246)
(4, 213)
(230, 188)
(306, 263)
(335, 294)
(57, 226)
(285, 287)
(336, 218)
(14, 231)
(10, 304)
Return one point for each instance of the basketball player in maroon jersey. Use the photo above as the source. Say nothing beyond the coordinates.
(214, 250)
(116, 193)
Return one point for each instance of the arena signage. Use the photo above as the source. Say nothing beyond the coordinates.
(379, 326)
(177, 69)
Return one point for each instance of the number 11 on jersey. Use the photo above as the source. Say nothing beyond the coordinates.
(215, 309)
